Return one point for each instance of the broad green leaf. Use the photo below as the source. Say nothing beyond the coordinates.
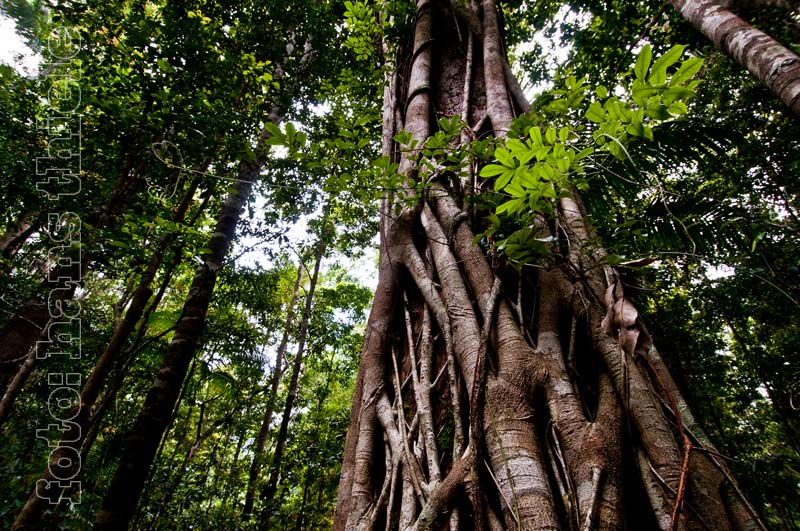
(542, 152)
(678, 108)
(510, 206)
(635, 128)
(596, 113)
(504, 157)
(503, 179)
(520, 151)
(515, 189)
(658, 74)
(642, 93)
(403, 137)
(491, 170)
(515, 146)
(528, 179)
(687, 70)
(536, 135)
(643, 62)
(677, 93)
(273, 129)
(658, 112)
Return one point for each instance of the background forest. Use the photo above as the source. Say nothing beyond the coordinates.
(136, 264)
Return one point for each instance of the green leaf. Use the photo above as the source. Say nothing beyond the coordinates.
(536, 135)
(596, 113)
(658, 112)
(273, 129)
(515, 189)
(658, 74)
(635, 128)
(491, 170)
(515, 146)
(403, 137)
(602, 92)
(678, 108)
(510, 206)
(688, 69)
(643, 62)
(503, 179)
(504, 157)
(645, 92)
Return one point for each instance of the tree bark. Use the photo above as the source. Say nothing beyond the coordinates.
(142, 441)
(561, 396)
(777, 67)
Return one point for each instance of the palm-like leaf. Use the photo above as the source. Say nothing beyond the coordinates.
(652, 201)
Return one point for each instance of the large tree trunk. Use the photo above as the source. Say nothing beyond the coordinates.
(773, 64)
(143, 439)
(14, 238)
(558, 413)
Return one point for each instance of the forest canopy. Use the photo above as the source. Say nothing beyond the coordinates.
(444, 264)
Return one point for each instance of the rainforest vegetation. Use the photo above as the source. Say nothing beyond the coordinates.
(382, 264)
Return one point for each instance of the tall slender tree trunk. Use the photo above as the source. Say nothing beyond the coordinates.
(46, 487)
(562, 412)
(19, 344)
(773, 64)
(187, 458)
(61, 282)
(261, 442)
(27, 329)
(143, 439)
(268, 493)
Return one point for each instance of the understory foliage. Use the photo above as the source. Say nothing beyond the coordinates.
(584, 221)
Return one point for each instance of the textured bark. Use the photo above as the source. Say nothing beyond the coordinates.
(143, 439)
(773, 64)
(760, 4)
(572, 420)
(261, 442)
